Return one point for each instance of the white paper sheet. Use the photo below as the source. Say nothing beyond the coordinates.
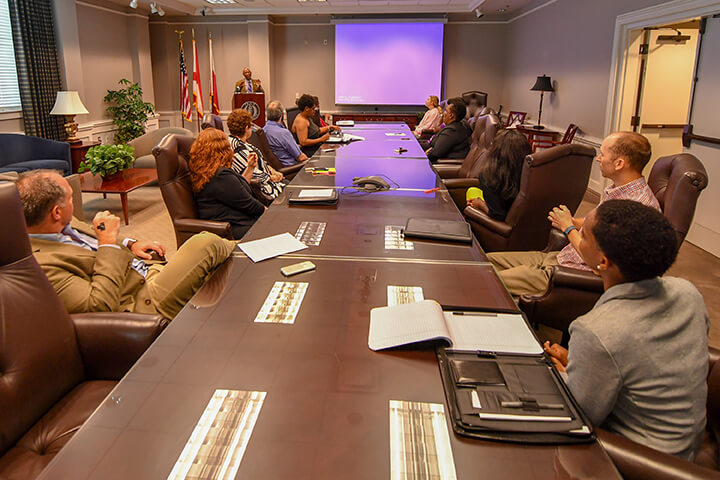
(502, 332)
(320, 193)
(270, 247)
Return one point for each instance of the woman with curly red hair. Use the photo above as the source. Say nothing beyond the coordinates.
(220, 193)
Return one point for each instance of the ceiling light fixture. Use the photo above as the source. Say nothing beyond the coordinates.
(501, 10)
(133, 3)
(220, 2)
(156, 9)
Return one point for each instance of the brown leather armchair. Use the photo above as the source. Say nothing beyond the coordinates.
(260, 141)
(676, 181)
(638, 462)
(172, 155)
(458, 178)
(484, 130)
(549, 178)
(210, 120)
(56, 368)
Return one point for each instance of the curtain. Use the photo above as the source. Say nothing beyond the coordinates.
(38, 68)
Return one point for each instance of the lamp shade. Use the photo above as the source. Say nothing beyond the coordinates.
(68, 103)
(543, 84)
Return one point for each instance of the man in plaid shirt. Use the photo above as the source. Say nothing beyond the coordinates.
(623, 155)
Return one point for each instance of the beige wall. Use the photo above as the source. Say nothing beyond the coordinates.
(302, 59)
(571, 41)
(230, 49)
(105, 53)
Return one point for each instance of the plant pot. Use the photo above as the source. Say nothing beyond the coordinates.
(113, 176)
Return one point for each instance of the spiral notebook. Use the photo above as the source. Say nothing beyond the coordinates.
(425, 321)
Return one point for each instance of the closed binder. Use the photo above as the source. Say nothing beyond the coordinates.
(450, 230)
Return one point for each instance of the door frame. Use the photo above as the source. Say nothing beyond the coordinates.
(669, 12)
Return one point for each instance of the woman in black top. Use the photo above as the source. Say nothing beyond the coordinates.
(220, 193)
(500, 173)
(309, 135)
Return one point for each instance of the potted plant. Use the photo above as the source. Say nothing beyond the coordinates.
(107, 160)
(128, 110)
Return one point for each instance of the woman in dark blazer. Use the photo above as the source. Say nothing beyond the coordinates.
(220, 193)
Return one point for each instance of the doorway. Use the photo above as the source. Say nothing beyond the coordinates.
(658, 86)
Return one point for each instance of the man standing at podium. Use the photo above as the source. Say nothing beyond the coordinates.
(248, 84)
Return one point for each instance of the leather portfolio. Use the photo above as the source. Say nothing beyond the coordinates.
(325, 196)
(516, 398)
(452, 230)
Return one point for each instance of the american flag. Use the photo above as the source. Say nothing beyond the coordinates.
(185, 95)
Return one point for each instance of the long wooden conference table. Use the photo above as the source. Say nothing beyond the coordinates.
(223, 395)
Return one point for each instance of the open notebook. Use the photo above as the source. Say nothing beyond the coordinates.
(424, 321)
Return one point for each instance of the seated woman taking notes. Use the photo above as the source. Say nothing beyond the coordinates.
(220, 193)
(500, 174)
(309, 135)
(637, 362)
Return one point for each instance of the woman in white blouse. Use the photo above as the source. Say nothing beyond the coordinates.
(431, 120)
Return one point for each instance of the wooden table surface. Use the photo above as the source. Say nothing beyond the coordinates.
(326, 408)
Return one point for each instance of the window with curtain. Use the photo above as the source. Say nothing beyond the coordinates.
(9, 91)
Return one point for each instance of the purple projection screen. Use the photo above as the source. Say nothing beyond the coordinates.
(387, 63)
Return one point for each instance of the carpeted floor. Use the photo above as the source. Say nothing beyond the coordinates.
(149, 219)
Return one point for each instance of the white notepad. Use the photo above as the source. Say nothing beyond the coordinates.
(471, 331)
(319, 193)
(270, 247)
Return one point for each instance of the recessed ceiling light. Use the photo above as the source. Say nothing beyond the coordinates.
(220, 2)
(501, 10)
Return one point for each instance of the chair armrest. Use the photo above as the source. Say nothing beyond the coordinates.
(556, 241)
(453, 183)
(484, 220)
(447, 170)
(576, 279)
(450, 161)
(110, 343)
(643, 463)
(196, 225)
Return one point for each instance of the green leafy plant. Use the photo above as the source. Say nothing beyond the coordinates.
(128, 110)
(107, 160)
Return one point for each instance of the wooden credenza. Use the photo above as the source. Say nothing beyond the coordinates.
(409, 118)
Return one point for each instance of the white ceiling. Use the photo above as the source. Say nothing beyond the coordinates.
(490, 8)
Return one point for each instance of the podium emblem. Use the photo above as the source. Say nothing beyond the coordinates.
(252, 108)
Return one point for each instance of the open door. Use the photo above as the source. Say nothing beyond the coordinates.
(656, 104)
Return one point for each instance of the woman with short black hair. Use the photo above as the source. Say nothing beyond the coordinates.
(309, 135)
(637, 362)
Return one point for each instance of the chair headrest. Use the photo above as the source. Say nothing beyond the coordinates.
(15, 244)
(171, 156)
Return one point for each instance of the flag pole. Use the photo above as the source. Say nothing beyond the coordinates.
(182, 115)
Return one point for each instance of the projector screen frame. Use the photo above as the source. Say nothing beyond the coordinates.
(369, 21)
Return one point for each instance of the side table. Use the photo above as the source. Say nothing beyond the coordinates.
(77, 153)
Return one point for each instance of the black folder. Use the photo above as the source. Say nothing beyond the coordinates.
(295, 198)
(510, 397)
(430, 228)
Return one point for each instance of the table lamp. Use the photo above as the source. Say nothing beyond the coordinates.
(542, 84)
(69, 104)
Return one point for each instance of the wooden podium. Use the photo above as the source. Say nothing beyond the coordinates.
(253, 103)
